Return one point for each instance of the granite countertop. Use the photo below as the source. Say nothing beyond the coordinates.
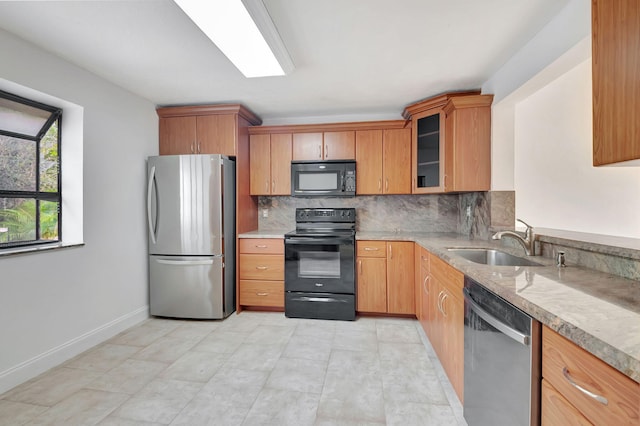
(599, 312)
(277, 233)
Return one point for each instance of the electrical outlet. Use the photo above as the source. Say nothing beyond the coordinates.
(468, 212)
(265, 212)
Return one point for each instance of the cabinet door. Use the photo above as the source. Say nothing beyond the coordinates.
(556, 410)
(177, 135)
(260, 164)
(616, 90)
(453, 319)
(468, 148)
(216, 134)
(397, 154)
(400, 285)
(371, 293)
(428, 152)
(307, 146)
(339, 145)
(369, 162)
(281, 164)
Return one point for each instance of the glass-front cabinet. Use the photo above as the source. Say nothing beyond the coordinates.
(451, 145)
(428, 152)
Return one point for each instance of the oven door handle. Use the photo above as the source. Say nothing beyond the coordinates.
(495, 322)
(318, 240)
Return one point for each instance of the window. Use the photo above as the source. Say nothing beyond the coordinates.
(30, 184)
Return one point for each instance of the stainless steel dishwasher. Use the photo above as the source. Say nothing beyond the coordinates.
(501, 361)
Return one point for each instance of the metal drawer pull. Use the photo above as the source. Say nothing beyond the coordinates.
(317, 299)
(601, 399)
(261, 246)
(371, 249)
(493, 321)
(262, 294)
(262, 268)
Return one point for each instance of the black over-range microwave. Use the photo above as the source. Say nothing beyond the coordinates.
(330, 178)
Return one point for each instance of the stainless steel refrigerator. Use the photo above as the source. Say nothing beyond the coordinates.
(191, 221)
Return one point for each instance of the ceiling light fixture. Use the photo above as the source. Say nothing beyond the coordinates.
(244, 32)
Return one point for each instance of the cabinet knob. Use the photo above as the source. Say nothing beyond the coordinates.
(261, 268)
(386, 184)
(380, 184)
(273, 186)
(371, 249)
(262, 294)
(261, 246)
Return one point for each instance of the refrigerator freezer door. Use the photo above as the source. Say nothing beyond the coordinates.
(184, 204)
(188, 287)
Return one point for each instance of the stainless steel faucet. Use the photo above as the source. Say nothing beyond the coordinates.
(528, 242)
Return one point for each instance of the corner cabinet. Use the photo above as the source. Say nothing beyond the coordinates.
(451, 144)
(615, 43)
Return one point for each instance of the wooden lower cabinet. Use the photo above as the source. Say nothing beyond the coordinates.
(573, 373)
(556, 410)
(385, 280)
(442, 314)
(261, 266)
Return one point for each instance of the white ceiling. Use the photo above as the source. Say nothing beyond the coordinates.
(353, 58)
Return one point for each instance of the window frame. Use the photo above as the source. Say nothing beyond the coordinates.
(38, 195)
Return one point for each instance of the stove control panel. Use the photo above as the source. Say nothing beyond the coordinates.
(326, 215)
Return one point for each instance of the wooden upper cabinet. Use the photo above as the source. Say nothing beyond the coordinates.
(260, 164)
(202, 129)
(451, 143)
(281, 164)
(369, 162)
(397, 156)
(270, 164)
(339, 145)
(468, 143)
(324, 146)
(381, 161)
(307, 146)
(178, 135)
(216, 134)
(616, 88)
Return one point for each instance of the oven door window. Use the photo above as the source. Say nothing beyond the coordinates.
(316, 267)
(319, 264)
(318, 181)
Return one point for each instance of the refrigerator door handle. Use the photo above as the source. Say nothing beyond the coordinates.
(152, 177)
(185, 262)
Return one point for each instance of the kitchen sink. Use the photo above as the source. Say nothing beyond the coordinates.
(492, 257)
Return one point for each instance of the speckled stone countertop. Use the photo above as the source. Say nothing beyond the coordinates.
(278, 233)
(599, 312)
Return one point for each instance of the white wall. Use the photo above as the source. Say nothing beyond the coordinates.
(57, 303)
(542, 135)
(547, 55)
(555, 182)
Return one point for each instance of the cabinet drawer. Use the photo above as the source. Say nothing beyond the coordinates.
(371, 248)
(556, 410)
(262, 245)
(261, 267)
(262, 293)
(449, 277)
(563, 362)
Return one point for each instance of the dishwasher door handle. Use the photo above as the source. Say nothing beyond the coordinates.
(495, 322)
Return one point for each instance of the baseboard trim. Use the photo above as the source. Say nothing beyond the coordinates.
(39, 364)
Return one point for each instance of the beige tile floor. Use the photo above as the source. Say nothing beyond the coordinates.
(256, 368)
